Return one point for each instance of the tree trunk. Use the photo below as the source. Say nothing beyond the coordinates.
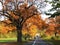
(55, 34)
(19, 35)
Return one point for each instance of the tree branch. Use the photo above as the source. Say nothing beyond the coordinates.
(27, 19)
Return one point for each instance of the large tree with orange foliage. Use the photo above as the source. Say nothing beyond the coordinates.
(19, 16)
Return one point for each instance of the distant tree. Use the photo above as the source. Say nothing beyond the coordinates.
(57, 24)
(58, 19)
(51, 26)
(56, 8)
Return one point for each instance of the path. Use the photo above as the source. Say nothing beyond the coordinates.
(39, 41)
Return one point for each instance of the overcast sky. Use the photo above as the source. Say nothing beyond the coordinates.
(44, 9)
(0, 6)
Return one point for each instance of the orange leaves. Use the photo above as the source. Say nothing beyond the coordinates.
(51, 26)
(5, 29)
(58, 19)
(2, 28)
(23, 11)
(7, 21)
(32, 25)
(27, 11)
(13, 15)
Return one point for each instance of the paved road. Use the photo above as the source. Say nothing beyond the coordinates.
(39, 41)
(34, 42)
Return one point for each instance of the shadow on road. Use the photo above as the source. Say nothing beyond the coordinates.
(8, 43)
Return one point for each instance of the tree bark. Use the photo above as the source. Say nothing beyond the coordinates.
(55, 34)
(19, 35)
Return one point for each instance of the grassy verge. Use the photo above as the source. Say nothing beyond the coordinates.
(8, 39)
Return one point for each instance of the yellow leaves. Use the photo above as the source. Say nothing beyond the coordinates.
(24, 31)
(33, 27)
(33, 30)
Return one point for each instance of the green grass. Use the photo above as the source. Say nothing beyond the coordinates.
(8, 39)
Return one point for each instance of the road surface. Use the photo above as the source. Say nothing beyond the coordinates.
(37, 41)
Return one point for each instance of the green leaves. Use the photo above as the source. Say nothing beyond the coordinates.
(56, 7)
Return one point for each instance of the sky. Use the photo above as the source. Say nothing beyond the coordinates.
(0, 6)
(43, 10)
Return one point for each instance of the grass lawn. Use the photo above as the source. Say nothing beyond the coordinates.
(8, 39)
